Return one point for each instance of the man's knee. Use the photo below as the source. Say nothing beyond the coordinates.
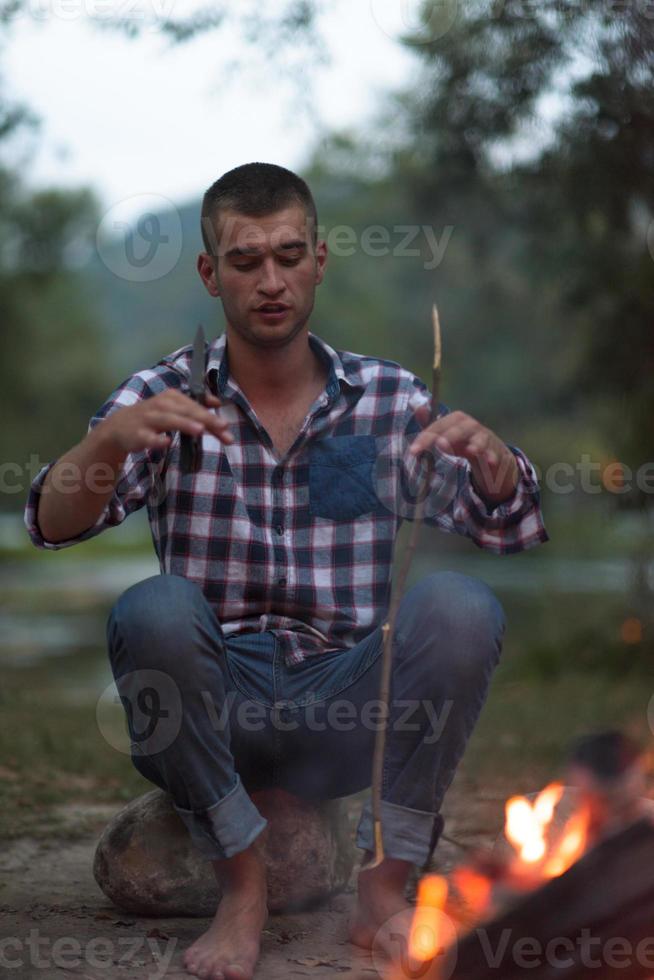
(453, 602)
(457, 623)
(154, 614)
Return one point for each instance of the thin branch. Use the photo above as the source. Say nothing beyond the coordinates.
(388, 628)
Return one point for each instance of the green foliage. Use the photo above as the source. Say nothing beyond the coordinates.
(52, 354)
(565, 209)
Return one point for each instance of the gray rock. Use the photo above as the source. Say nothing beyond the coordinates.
(146, 864)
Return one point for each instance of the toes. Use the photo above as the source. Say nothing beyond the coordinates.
(196, 967)
(236, 972)
(207, 971)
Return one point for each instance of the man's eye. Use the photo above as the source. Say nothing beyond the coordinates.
(290, 260)
(244, 266)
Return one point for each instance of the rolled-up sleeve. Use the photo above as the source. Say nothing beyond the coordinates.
(514, 525)
(138, 477)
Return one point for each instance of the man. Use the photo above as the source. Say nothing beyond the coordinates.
(277, 559)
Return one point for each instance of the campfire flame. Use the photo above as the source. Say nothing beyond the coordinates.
(540, 852)
(570, 847)
(527, 823)
(425, 938)
(474, 889)
(543, 845)
(528, 829)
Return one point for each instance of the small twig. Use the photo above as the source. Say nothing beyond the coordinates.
(388, 628)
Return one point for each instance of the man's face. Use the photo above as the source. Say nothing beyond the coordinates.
(265, 274)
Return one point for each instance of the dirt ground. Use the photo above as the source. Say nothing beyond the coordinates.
(57, 924)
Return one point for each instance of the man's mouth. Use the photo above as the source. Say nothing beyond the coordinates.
(273, 311)
(272, 308)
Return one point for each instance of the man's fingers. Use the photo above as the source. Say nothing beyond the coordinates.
(456, 438)
(152, 440)
(479, 443)
(445, 433)
(461, 436)
(173, 421)
(180, 401)
(193, 423)
(209, 419)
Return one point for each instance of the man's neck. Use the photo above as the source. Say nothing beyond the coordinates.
(274, 375)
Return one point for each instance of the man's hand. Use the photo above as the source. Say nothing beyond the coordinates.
(144, 425)
(66, 510)
(494, 468)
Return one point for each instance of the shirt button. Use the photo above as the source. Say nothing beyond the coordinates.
(279, 529)
(282, 580)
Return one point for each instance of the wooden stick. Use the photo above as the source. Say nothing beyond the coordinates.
(389, 626)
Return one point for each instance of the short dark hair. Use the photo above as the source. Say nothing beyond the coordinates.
(256, 189)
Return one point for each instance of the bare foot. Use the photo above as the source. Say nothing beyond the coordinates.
(383, 916)
(384, 923)
(229, 949)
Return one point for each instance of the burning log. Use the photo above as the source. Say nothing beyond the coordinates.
(595, 920)
(572, 896)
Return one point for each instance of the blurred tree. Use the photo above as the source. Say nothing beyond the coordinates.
(533, 131)
(291, 25)
(53, 372)
(52, 354)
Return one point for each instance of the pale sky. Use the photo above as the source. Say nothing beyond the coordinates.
(141, 117)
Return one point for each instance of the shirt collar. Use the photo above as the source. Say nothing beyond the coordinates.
(218, 362)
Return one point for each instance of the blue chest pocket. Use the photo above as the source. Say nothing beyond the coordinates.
(341, 478)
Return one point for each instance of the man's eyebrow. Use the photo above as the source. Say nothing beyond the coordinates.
(297, 244)
(252, 250)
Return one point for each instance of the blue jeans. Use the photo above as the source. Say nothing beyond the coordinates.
(214, 718)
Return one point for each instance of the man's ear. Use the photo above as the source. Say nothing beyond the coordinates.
(321, 261)
(207, 266)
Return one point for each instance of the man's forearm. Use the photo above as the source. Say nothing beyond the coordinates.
(78, 486)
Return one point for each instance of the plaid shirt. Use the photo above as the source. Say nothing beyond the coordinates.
(302, 546)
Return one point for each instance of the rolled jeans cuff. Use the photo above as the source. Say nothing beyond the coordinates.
(407, 835)
(225, 828)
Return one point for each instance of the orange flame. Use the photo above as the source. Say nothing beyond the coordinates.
(425, 937)
(474, 888)
(571, 846)
(527, 824)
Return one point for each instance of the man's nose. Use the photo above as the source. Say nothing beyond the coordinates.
(271, 281)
